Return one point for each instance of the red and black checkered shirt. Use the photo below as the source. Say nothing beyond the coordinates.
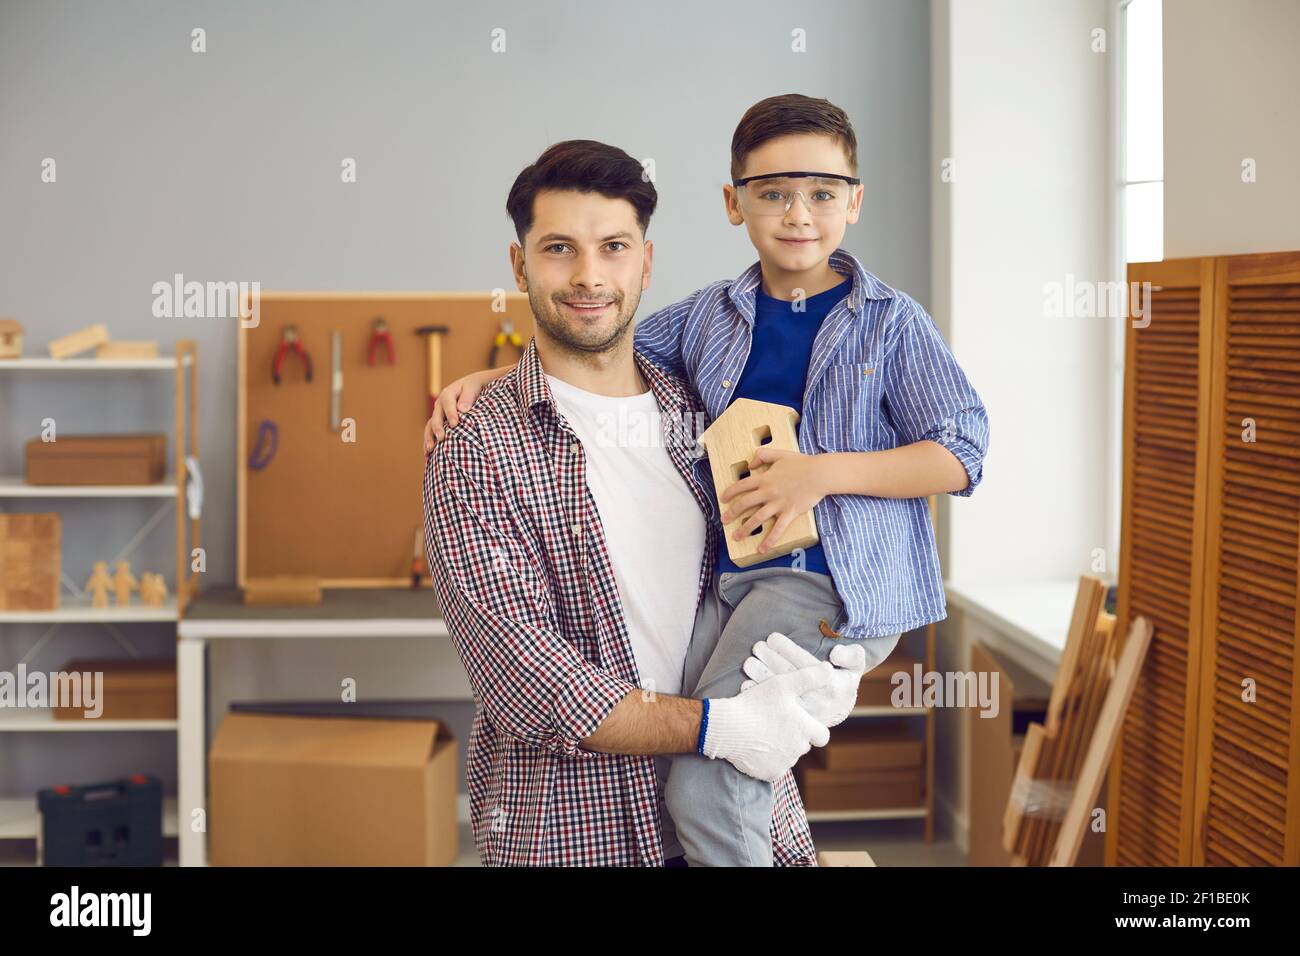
(522, 571)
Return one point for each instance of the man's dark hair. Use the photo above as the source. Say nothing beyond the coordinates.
(788, 114)
(586, 166)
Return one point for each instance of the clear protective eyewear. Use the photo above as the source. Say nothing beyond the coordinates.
(824, 194)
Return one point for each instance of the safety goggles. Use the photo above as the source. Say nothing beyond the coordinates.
(772, 194)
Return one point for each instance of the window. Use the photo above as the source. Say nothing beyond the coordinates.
(1143, 157)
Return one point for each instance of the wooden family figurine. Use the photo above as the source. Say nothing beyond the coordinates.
(98, 584)
(152, 587)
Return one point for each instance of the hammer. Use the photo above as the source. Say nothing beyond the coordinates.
(433, 335)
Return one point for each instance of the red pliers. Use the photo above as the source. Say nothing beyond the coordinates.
(379, 334)
(289, 342)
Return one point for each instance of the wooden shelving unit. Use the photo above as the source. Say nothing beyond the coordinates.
(18, 815)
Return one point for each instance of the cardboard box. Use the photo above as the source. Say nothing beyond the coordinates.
(289, 790)
(97, 460)
(30, 559)
(859, 789)
(871, 745)
(877, 684)
(131, 690)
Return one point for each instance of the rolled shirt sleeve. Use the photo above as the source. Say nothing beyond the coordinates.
(531, 682)
(929, 397)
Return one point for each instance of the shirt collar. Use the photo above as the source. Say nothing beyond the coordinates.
(531, 386)
(865, 286)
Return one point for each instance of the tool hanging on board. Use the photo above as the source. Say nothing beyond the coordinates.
(507, 334)
(380, 335)
(336, 380)
(417, 559)
(433, 336)
(268, 437)
(290, 341)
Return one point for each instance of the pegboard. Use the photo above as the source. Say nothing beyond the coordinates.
(346, 511)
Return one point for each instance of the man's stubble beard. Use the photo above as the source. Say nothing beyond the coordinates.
(546, 313)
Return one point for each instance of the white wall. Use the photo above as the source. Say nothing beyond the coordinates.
(1231, 76)
(1021, 104)
(1028, 131)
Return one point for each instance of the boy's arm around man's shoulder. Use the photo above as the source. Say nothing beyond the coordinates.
(531, 682)
(661, 335)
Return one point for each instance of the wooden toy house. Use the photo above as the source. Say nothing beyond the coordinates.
(11, 339)
(731, 442)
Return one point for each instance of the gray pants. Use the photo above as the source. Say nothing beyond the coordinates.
(723, 817)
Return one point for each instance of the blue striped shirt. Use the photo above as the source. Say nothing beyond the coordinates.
(881, 376)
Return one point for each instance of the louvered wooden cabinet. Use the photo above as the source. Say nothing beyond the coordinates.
(1210, 534)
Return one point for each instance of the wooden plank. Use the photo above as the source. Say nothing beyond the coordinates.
(79, 341)
(845, 858)
(127, 350)
(1101, 744)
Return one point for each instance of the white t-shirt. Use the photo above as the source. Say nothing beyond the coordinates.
(653, 526)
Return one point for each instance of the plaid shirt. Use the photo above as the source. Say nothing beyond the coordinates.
(523, 576)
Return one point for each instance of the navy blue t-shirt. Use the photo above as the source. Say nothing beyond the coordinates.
(776, 371)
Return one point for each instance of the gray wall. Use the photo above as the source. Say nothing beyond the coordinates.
(1230, 76)
(225, 166)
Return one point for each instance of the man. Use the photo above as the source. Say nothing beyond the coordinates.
(570, 564)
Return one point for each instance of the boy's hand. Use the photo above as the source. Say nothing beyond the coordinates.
(453, 399)
(830, 703)
(790, 486)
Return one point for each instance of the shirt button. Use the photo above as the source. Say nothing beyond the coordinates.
(574, 448)
(726, 383)
(577, 530)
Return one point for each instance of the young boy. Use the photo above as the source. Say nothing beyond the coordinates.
(887, 418)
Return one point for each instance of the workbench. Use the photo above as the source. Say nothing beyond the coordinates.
(220, 614)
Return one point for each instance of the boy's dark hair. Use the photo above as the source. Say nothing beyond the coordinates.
(587, 166)
(787, 114)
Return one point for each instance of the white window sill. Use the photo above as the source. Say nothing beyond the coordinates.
(1031, 617)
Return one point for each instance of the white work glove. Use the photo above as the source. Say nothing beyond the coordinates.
(829, 703)
(763, 732)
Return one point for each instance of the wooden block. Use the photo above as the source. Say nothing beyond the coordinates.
(80, 341)
(29, 562)
(731, 441)
(845, 858)
(292, 591)
(11, 338)
(127, 350)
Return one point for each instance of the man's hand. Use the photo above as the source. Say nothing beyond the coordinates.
(789, 487)
(452, 400)
(765, 730)
(830, 703)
